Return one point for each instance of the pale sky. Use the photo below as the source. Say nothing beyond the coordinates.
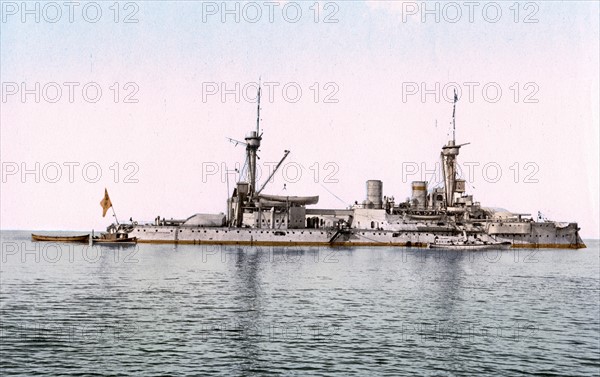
(371, 120)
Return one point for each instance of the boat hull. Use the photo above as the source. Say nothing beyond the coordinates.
(471, 247)
(115, 241)
(83, 238)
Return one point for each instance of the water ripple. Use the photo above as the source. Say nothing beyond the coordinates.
(252, 311)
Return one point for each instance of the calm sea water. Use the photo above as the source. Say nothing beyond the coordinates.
(240, 311)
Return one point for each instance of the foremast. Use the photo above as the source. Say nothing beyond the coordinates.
(253, 140)
(246, 197)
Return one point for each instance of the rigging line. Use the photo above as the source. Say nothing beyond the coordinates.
(243, 171)
(470, 185)
(337, 197)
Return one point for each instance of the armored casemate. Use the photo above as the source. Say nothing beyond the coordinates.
(441, 216)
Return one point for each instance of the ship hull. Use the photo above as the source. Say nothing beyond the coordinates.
(545, 235)
(537, 238)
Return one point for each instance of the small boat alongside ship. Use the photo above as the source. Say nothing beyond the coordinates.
(115, 235)
(82, 238)
(465, 243)
(470, 246)
(116, 241)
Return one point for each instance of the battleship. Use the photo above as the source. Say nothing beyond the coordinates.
(446, 213)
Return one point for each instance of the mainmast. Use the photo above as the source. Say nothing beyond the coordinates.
(258, 110)
(454, 117)
(449, 153)
(252, 144)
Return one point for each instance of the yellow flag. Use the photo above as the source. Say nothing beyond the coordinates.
(105, 203)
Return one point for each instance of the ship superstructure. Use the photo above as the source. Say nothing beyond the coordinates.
(442, 213)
